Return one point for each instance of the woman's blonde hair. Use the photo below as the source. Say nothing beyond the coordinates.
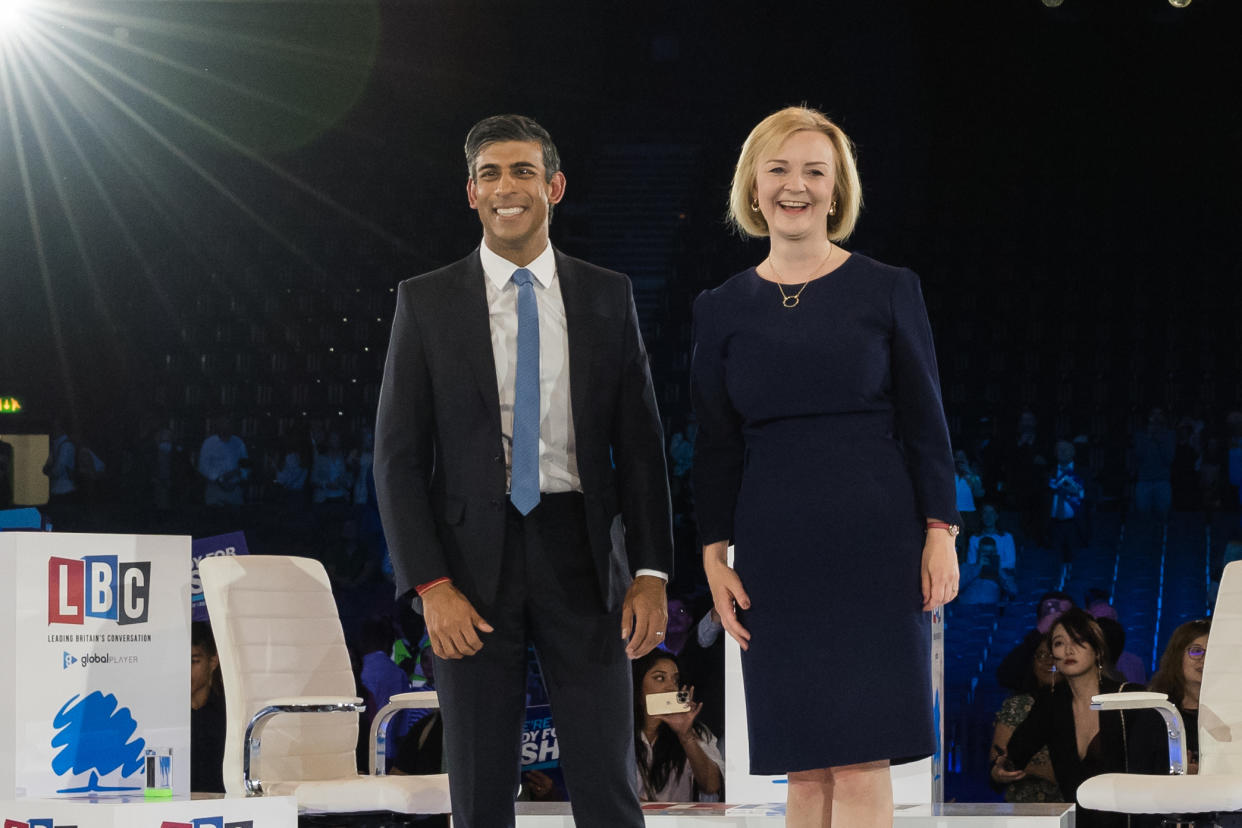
(771, 132)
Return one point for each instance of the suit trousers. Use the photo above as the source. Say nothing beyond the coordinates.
(548, 596)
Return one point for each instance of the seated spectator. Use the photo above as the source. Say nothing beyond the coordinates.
(969, 488)
(1066, 518)
(1180, 677)
(1128, 664)
(61, 466)
(980, 581)
(291, 476)
(1006, 550)
(222, 461)
(1153, 461)
(680, 625)
(702, 665)
(207, 712)
(329, 474)
(383, 679)
(1081, 742)
(1039, 784)
(678, 759)
(1013, 669)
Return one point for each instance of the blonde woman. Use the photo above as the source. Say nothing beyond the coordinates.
(824, 457)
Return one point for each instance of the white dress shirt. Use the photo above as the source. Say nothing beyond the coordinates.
(558, 460)
(558, 463)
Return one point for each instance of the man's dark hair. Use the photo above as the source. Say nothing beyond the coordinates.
(510, 128)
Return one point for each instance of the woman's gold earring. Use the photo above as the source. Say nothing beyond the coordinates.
(832, 209)
(754, 205)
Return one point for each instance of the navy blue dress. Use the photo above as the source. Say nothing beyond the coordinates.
(822, 449)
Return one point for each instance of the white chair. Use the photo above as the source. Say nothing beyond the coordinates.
(290, 693)
(1217, 788)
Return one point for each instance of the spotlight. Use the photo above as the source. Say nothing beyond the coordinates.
(1052, 4)
(1179, 4)
(11, 13)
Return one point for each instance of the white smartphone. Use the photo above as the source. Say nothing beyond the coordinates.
(661, 704)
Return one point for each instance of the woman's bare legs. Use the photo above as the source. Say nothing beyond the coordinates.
(852, 796)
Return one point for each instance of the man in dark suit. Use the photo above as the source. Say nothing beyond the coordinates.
(519, 467)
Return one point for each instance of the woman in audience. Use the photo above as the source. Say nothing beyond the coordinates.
(207, 713)
(678, 758)
(1040, 783)
(1180, 677)
(1081, 742)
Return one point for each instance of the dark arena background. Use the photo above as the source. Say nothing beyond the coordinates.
(207, 206)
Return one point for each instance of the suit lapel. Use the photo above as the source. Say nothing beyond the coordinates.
(470, 317)
(578, 323)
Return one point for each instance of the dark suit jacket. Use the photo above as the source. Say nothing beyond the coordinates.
(439, 458)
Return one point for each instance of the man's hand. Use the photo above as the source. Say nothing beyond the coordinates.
(644, 615)
(940, 575)
(452, 622)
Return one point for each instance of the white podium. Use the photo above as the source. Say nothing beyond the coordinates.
(96, 700)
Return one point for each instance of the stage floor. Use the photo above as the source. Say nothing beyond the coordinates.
(949, 815)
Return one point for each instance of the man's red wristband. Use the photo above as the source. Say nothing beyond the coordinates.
(421, 588)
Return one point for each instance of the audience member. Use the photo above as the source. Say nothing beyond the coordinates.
(1066, 517)
(383, 679)
(702, 666)
(220, 462)
(1153, 461)
(61, 466)
(969, 487)
(980, 580)
(207, 712)
(680, 625)
(1040, 783)
(1180, 677)
(1006, 550)
(329, 475)
(678, 758)
(1129, 665)
(1024, 470)
(1014, 668)
(359, 464)
(1081, 742)
(291, 476)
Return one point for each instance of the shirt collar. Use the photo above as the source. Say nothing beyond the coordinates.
(499, 270)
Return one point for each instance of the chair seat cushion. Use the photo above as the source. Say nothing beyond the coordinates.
(1136, 794)
(427, 794)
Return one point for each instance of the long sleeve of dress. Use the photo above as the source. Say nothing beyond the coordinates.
(719, 450)
(920, 411)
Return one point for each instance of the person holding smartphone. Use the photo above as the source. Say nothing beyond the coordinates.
(679, 759)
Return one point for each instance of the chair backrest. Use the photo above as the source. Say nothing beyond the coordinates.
(278, 635)
(1220, 697)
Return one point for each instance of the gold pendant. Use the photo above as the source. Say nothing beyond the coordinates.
(790, 301)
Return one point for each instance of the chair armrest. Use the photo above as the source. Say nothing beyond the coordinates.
(287, 704)
(417, 700)
(379, 725)
(1159, 702)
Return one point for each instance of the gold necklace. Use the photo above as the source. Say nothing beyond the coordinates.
(790, 300)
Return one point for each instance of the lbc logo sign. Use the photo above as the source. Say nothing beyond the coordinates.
(97, 586)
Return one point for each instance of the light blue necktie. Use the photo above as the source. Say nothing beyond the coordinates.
(524, 476)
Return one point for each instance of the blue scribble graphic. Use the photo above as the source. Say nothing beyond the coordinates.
(94, 735)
